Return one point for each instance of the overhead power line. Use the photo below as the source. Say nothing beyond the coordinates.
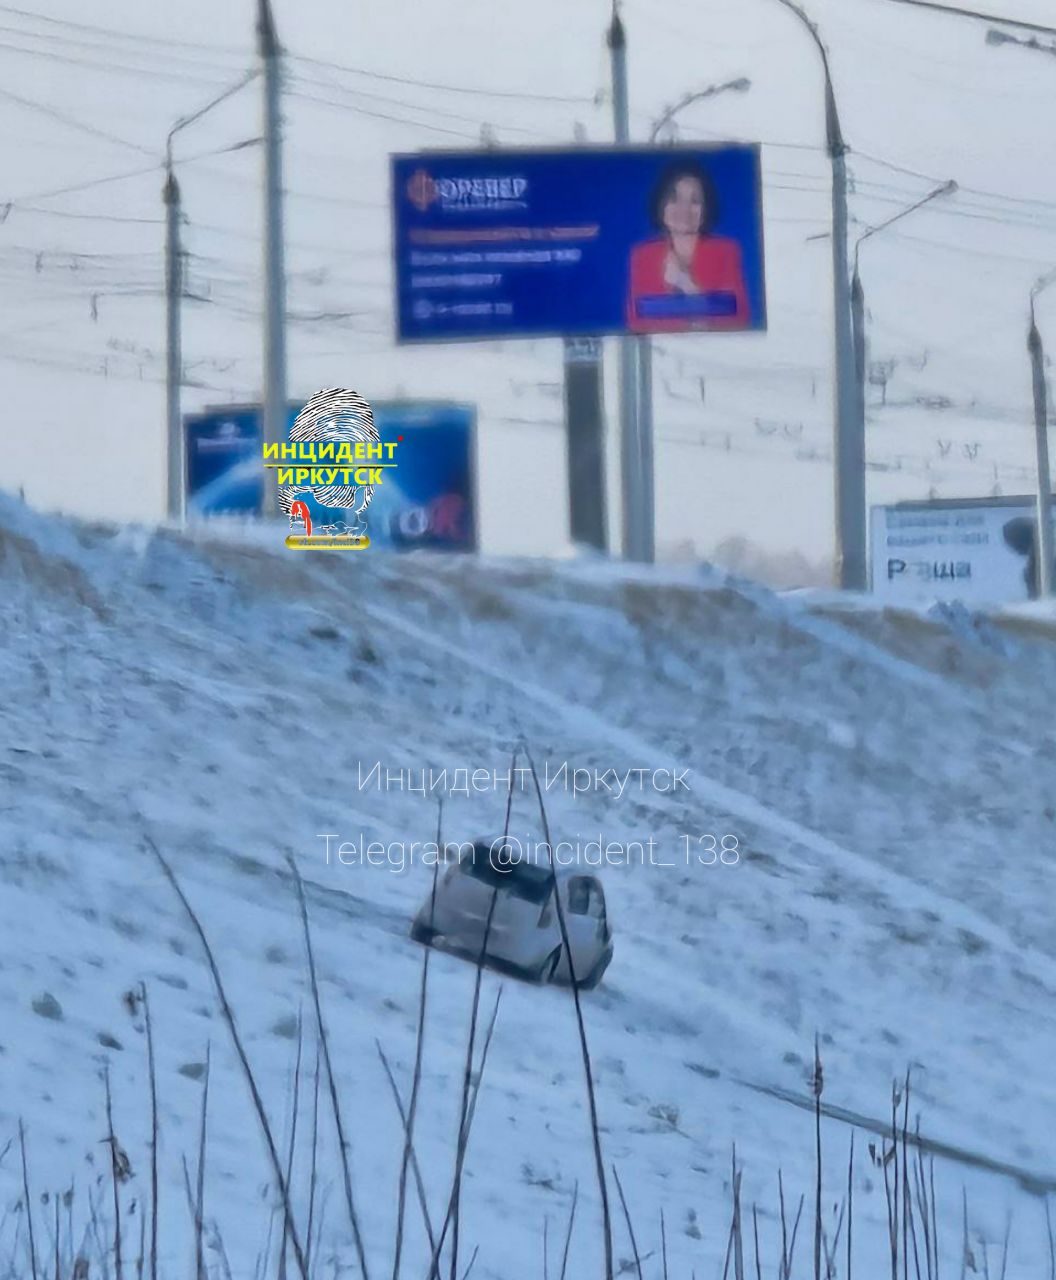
(73, 188)
(70, 122)
(304, 82)
(961, 12)
(115, 33)
(521, 95)
(111, 68)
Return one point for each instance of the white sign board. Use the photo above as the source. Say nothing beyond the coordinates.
(978, 551)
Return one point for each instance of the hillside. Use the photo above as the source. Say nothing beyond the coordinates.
(887, 778)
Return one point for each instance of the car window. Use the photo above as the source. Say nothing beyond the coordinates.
(580, 890)
(521, 878)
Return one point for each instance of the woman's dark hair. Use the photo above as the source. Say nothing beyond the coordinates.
(665, 186)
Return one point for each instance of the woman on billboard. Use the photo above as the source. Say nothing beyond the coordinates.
(686, 278)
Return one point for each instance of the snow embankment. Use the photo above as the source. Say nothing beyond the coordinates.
(885, 780)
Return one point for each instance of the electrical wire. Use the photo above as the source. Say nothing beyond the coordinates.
(42, 108)
(114, 33)
(520, 95)
(74, 188)
(305, 84)
(111, 68)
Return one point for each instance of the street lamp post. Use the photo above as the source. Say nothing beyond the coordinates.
(858, 299)
(644, 341)
(1034, 342)
(274, 418)
(849, 447)
(175, 465)
(175, 468)
(1041, 441)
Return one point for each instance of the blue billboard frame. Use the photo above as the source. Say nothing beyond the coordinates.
(595, 297)
(426, 480)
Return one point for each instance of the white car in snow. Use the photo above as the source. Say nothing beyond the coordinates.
(524, 934)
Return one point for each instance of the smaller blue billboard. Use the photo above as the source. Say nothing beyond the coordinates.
(427, 501)
(222, 450)
(581, 241)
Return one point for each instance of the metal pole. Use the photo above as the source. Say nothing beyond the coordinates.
(175, 463)
(849, 450)
(858, 330)
(274, 423)
(647, 534)
(584, 403)
(585, 440)
(859, 345)
(645, 354)
(849, 442)
(1045, 551)
(636, 546)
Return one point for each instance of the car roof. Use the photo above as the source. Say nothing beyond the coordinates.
(561, 872)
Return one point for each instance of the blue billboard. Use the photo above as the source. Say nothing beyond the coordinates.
(427, 501)
(222, 454)
(492, 244)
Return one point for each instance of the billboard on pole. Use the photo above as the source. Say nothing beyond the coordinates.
(974, 550)
(429, 501)
(588, 240)
(222, 451)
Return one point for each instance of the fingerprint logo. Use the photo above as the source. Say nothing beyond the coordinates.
(335, 416)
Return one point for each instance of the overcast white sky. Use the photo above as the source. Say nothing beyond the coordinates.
(923, 99)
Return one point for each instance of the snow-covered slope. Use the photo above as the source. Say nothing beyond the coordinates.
(888, 780)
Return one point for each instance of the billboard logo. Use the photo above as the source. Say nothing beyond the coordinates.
(328, 470)
(490, 194)
(421, 190)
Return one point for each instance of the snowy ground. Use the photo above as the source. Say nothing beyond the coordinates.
(887, 777)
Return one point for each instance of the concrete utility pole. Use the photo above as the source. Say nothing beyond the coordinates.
(849, 443)
(858, 301)
(175, 466)
(849, 450)
(1041, 439)
(588, 524)
(274, 423)
(585, 440)
(636, 454)
(175, 460)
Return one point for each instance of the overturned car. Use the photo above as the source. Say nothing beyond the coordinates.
(493, 902)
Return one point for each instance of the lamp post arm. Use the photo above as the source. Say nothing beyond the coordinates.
(184, 121)
(739, 85)
(833, 132)
(947, 189)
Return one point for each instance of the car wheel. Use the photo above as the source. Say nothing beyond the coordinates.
(598, 972)
(545, 972)
(422, 933)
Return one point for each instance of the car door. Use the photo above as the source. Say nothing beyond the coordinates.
(503, 899)
(585, 921)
